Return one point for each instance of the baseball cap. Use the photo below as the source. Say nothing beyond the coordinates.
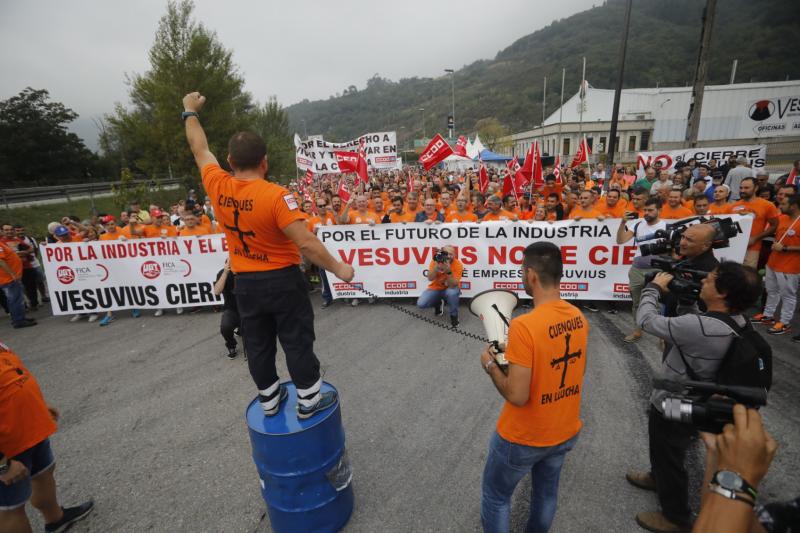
(762, 173)
(61, 231)
(156, 213)
(107, 219)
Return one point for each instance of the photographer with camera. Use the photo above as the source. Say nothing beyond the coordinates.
(444, 274)
(643, 230)
(699, 343)
(695, 253)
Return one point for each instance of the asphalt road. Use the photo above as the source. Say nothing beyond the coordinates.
(153, 429)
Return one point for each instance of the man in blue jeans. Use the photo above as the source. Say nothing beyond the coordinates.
(444, 274)
(540, 420)
(11, 286)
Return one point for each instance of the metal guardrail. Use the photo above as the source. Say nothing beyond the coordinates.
(28, 194)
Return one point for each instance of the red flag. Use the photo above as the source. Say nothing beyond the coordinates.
(792, 179)
(538, 179)
(582, 155)
(343, 193)
(513, 182)
(361, 168)
(436, 151)
(557, 170)
(348, 161)
(309, 177)
(527, 165)
(410, 184)
(483, 177)
(461, 146)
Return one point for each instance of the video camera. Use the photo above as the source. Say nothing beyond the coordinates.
(702, 404)
(441, 257)
(669, 239)
(686, 282)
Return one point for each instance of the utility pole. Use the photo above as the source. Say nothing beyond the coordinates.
(623, 49)
(544, 100)
(424, 134)
(561, 110)
(453, 89)
(582, 94)
(696, 102)
(733, 71)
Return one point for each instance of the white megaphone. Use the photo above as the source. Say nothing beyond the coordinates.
(494, 308)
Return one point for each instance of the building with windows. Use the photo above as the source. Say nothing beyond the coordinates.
(655, 119)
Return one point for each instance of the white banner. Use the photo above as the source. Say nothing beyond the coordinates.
(391, 260)
(97, 276)
(771, 117)
(316, 153)
(756, 155)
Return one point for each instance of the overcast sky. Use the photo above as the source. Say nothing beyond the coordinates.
(80, 50)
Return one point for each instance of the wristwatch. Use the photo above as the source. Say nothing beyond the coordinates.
(187, 114)
(731, 481)
(731, 495)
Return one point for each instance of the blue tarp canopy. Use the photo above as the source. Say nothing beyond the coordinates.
(489, 156)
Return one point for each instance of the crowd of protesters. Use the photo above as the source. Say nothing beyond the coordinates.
(441, 196)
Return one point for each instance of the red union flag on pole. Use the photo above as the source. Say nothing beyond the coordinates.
(461, 146)
(557, 170)
(309, 177)
(582, 155)
(361, 167)
(347, 161)
(410, 184)
(436, 151)
(343, 193)
(483, 177)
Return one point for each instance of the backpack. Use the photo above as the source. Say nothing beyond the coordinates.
(748, 361)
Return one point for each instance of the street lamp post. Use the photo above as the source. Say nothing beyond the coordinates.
(453, 92)
(424, 133)
(305, 132)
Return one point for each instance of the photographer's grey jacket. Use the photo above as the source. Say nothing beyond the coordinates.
(704, 341)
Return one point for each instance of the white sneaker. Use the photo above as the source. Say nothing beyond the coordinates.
(158, 312)
(75, 318)
(179, 310)
(355, 302)
(93, 317)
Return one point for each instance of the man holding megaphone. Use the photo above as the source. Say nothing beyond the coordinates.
(540, 420)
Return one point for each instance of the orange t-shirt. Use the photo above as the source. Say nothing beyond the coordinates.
(541, 340)
(109, 236)
(354, 217)
(261, 210)
(724, 209)
(160, 231)
(316, 221)
(24, 418)
(405, 217)
(439, 282)
(197, 230)
(579, 211)
(618, 211)
(126, 232)
(501, 215)
(786, 262)
(14, 263)
(675, 213)
(762, 212)
(467, 216)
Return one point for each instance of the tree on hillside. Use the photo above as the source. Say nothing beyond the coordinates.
(149, 137)
(272, 123)
(35, 146)
(491, 131)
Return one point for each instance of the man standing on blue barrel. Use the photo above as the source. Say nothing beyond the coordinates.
(266, 232)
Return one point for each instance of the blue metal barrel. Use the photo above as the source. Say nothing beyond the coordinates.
(303, 467)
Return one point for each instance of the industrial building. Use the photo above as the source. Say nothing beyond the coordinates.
(655, 119)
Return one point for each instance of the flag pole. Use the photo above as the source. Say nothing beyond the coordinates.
(561, 110)
(583, 92)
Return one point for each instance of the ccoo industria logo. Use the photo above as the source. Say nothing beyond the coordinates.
(761, 110)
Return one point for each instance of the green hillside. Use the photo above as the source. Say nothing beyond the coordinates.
(662, 49)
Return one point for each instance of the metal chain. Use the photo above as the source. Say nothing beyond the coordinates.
(424, 318)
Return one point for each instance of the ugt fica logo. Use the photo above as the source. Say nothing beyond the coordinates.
(151, 269)
(65, 275)
(761, 110)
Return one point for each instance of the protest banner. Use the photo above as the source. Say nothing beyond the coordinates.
(756, 155)
(317, 154)
(391, 260)
(98, 276)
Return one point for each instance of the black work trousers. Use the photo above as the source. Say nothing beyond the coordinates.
(227, 325)
(274, 305)
(669, 442)
(30, 280)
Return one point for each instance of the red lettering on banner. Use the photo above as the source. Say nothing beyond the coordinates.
(89, 251)
(616, 255)
(568, 254)
(188, 244)
(468, 255)
(60, 253)
(504, 256)
(365, 257)
(347, 256)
